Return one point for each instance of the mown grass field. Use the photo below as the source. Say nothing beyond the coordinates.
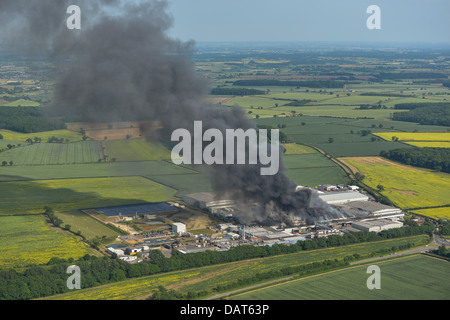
(54, 153)
(295, 148)
(207, 278)
(409, 278)
(27, 240)
(406, 186)
(29, 197)
(136, 150)
(89, 227)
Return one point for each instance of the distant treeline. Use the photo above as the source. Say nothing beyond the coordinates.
(427, 113)
(298, 103)
(236, 91)
(290, 83)
(410, 75)
(446, 84)
(431, 158)
(381, 94)
(415, 105)
(27, 120)
(42, 281)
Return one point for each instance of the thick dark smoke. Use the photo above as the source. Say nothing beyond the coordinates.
(124, 66)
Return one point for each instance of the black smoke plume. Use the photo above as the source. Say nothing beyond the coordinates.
(122, 66)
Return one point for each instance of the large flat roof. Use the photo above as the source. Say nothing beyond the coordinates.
(149, 207)
(370, 206)
(342, 196)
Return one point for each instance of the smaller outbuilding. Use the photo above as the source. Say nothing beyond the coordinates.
(179, 227)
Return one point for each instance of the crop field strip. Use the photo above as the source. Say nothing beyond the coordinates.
(431, 282)
(30, 197)
(54, 153)
(94, 170)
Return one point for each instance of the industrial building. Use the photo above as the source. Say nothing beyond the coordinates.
(376, 225)
(373, 210)
(179, 228)
(207, 200)
(134, 209)
(341, 197)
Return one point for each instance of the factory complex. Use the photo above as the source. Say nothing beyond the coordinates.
(361, 214)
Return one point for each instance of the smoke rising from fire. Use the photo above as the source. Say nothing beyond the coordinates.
(122, 65)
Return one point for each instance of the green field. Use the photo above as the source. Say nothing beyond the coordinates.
(89, 227)
(136, 150)
(295, 148)
(27, 240)
(18, 136)
(347, 139)
(184, 183)
(207, 278)
(91, 170)
(29, 197)
(54, 153)
(312, 169)
(22, 103)
(409, 278)
(337, 104)
(406, 186)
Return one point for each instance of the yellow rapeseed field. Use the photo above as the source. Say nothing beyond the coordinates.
(415, 136)
(437, 213)
(406, 186)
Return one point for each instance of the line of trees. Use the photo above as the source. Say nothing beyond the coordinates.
(431, 158)
(41, 281)
(236, 91)
(426, 113)
(410, 75)
(290, 83)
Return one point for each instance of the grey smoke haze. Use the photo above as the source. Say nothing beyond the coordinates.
(123, 65)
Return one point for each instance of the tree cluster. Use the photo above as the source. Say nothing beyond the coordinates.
(432, 113)
(410, 75)
(27, 120)
(236, 91)
(290, 83)
(431, 158)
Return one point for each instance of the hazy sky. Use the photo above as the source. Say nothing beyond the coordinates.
(309, 20)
